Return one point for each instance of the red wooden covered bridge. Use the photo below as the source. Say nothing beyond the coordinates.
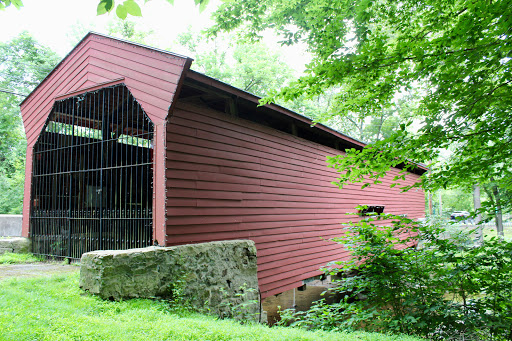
(128, 147)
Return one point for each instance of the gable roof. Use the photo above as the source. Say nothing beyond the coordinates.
(152, 75)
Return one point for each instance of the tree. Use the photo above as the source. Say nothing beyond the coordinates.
(456, 199)
(456, 53)
(124, 29)
(254, 68)
(128, 29)
(23, 65)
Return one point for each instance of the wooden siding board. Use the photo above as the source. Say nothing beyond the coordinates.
(159, 69)
(273, 171)
(123, 47)
(203, 116)
(158, 79)
(237, 129)
(36, 113)
(267, 156)
(246, 188)
(149, 89)
(187, 179)
(58, 77)
(128, 74)
(228, 178)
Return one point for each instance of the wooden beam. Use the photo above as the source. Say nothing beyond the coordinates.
(232, 106)
(295, 131)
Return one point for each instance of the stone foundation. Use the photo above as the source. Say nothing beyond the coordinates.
(14, 245)
(301, 298)
(219, 277)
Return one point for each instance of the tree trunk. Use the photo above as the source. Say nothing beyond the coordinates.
(440, 204)
(478, 205)
(494, 196)
(430, 203)
(498, 214)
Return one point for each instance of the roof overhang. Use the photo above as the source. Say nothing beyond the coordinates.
(194, 78)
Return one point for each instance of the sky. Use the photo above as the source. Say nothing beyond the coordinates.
(53, 23)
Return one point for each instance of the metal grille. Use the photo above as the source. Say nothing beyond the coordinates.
(92, 177)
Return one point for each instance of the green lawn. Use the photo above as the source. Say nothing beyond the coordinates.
(53, 308)
(18, 258)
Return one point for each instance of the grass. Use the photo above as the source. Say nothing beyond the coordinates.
(53, 308)
(490, 231)
(18, 258)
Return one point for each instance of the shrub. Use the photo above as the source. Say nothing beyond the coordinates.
(406, 277)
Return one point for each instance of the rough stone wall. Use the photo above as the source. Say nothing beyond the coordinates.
(220, 277)
(10, 225)
(14, 245)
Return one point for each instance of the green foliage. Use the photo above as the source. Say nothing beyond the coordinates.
(54, 308)
(457, 199)
(122, 10)
(455, 53)
(6, 3)
(23, 64)
(128, 30)
(418, 279)
(251, 67)
(239, 308)
(18, 258)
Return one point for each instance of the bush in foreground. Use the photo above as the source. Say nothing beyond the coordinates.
(445, 288)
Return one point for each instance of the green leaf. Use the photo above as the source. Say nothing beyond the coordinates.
(4, 4)
(17, 3)
(132, 8)
(170, 1)
(105, 6)
(202, 5)
(121, 12)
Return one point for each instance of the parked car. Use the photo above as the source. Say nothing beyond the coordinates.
(461, 216)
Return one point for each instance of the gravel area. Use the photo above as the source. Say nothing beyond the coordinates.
(35, 269)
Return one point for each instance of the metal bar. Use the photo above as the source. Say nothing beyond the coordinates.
(70, 194)
(94, 169)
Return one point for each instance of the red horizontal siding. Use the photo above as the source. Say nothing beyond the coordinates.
(228, 178)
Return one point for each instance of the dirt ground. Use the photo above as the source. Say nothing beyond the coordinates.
(35, 269)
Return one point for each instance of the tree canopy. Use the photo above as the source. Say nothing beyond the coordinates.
(23, 64)
(252, 67)
(456, 53)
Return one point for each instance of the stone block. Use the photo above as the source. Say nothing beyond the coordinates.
(220, 277)
(10, 225)
(14, 245)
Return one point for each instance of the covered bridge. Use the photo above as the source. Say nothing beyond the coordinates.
(128, 147)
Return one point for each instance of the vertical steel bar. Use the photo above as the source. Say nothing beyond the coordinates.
(70, 169)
